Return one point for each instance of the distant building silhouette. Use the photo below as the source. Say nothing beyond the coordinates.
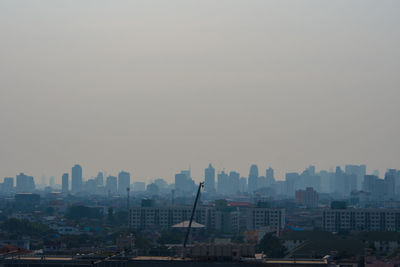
(76, 179)
(209, 179)
(65, 183)
(25, 183)
(253, 178)
(124, 182)
(111, 184)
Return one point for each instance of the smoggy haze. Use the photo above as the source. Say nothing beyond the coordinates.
(152, 87)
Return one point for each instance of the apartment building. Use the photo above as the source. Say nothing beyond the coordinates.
(361, 219)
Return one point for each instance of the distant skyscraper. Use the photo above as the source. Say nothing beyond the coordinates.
(183, 182)
(223, 183)
(253, 179)
(52, 181)
(209, 179)
(99, 179)
(124, 182)
(111, 184)
(8, 184)
(243, 184)
(270, 177)
(76, 179)
(359, 171)
(234, 182)
(25, 183)
(64, 183)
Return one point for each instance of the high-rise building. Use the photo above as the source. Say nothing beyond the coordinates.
(234, 186)
(209, 179)
(308, 197)
(52, 181)
(76, 179)
(270, 176)
(124, 182)
(64, 183)
(8, 184)
(243, 184)
(183, 182)
(111, 184)
(223, 183)
(253, 178)
(99, 179)
(359, 171)
(25, 183)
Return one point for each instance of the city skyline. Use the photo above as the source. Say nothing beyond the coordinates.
(155, 87)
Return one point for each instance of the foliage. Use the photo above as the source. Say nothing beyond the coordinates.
(19, 228)
(272, 246)
(80, 212)
(170, 237)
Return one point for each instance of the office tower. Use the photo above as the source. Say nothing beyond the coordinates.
(390, 183)
(8, 184)
(253, 178)
(223, 183)
(111, 184)
(359, 171)
(369, 182)
(270, 177)
(64, 183)
(308, 197)
(76, 179)
(52, 181)
(184, 183)
(243, 184)
(161, 183)
(234, 178)
(262, 182)
(291, 182)
(124, 182)
(99, 179)
(139, 186)
(25, 183)
(209, 179)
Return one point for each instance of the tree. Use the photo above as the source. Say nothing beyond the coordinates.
(272, 246)
(79, 212)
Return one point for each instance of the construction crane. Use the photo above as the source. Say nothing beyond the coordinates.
(191, 217)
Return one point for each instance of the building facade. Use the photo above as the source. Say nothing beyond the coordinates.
(335, 220)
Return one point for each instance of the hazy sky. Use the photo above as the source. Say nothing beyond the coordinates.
(152, 87)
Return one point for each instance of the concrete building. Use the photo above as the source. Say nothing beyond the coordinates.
(64, 183)
(76, 179)
(209, 179)
(335, 220)
(124, 182)
(250, 218)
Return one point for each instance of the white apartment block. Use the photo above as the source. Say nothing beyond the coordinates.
(335, 220)
(243, 218)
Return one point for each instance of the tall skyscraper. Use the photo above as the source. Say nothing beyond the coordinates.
(209, 179)
(269, 174)
(253, 179)
(25, 183)
(76, 179)
(223, 183)
(359, 171)
(111, 184)
(99, 179)
(52, 181)
(234, 186)
(64, 183)
(8, 184)
(124, 182)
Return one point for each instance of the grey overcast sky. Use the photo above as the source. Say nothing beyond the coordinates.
(153, 87)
